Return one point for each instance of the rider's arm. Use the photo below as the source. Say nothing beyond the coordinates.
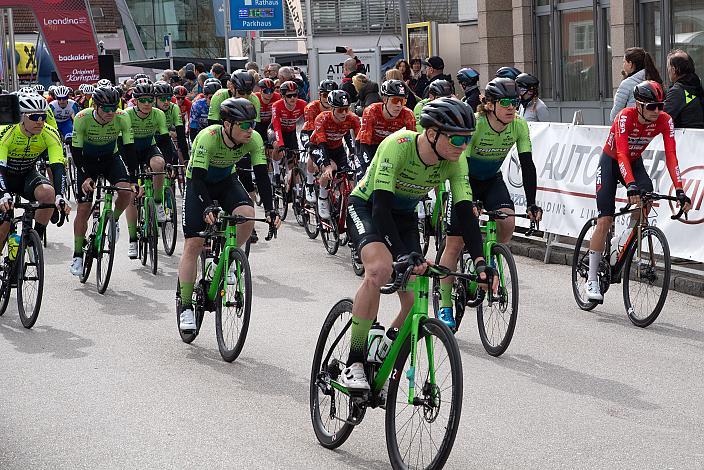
(3, 163)
(163, 141)
(366, 129)
(530, 177)
(200, 186)
(409, 119)
(55, 151)
(469, 227)
(668, 137)
(384, 222)
(276, 122)
(261, 172)
(623, 127)
(181, 139)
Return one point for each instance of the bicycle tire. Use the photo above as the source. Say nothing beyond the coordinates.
(169, 229)
(298, 202)
(580, 267)
(649, 275)
(153, 237)
(312, 229)
(198, 310)
(357, 265)
(30, 312)
(142, 237)
(340, 316)
(242, 298)
(493, 347)
(430, 413)
(330, 236)
(109, 235)
(87, 254)
(5, 280)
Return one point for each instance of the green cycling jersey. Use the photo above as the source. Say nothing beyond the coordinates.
(210, 153)
(416, 112)
(173, 116)
(223, 94)
(19, 152)
(488, 149)
(100, 140)
(144, 128)
(397, 168)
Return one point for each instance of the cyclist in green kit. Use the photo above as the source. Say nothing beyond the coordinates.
(240, 85)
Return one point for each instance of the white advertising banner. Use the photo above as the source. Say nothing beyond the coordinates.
(566, 159)
(330, 65)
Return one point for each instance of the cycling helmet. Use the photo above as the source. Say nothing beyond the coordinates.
(288, 87)
(508, 72)
(212, 80)
(38, 87)
(163, 88)
(106, 96)
(142, 81)
(448, 115)
(80, 87)
(210, 87)
(394, 88)
(137, 76)
(180, 91)
(143, 89)
(440, 88)
(338, 99)
(32, 103)
(500, 88)
(62, 92)
(327, 86)
(266, 84)
(237, 110)
(243, 81)
(104, 82)
(649, 91)
(528, 81)
(88, 89)
(27, 89)
(467, 76)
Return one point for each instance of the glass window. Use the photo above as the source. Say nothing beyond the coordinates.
(545, 56)
(688, 29)
(606, 12)
(651, 30)
(579, 69)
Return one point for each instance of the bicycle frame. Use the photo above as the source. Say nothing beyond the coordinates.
(633, 237)
(103, 217)
(222, 267)
(342, 180)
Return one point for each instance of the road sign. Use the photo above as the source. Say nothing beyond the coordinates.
(167, 45)
(256, 15)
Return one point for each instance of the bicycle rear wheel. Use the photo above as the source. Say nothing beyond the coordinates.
(498, 321)
(580, 266)
(169, 229)
(197, 303)
(330, 235)
(6, 268)
(310, 218)
(152, 236)
(646, 277)
(30, 278)
(280, 200)
(88, 252)
(331, 410)
(106, 253)
(234, 308)
(298, 183)
(435, 414)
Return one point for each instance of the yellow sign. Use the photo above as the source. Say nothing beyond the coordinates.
(420, 41)
(28, 58)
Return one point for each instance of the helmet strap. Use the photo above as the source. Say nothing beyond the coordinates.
(433, 144)
(638, 106)
(493, 111)
(229, 136)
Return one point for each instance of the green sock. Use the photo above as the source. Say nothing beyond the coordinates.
(117, 213)
(187, 294)
(358, 343)
(78, 245)
(445, 294)
(132, 229)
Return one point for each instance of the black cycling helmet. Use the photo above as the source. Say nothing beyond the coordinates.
(327, 86)
(162, 89)
(526, 80)
(288, 87)
(467, 76)
(649, 91)
(339, 99)
(500, 88)
(237, 110)
(106, 96)
(209, 88)
(143, 89)
(508, 72)
(440, 88)
(394, 88)
(448, 115)
(243, 81)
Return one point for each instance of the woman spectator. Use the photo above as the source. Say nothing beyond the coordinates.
(396, 74)
(405, 69)
(531, 107)
(367, 92)
(638, 66)
(418, 81)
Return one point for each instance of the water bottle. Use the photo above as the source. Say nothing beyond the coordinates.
(13, 244)
(615, 251)
(385, 345)
(374, 341)
(209, 269)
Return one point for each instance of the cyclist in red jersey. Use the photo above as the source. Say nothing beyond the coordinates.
(184, 104)
(631, 132)
(314, 108)
(380, 120)
(267, 97)
(327, 151)
(285, 114)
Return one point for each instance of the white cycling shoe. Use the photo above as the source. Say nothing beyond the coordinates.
(323, 208)
(160, 213)
(76, 266)
(187, 320)
(133, 251)
(354, 378)
(310, 194)
(593, 290)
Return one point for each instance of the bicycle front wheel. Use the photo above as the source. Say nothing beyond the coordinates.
(646, 277)
(6, 268)
(330, 235)
(106, 253)
(310, 219)
(421, 435)
(169, 229)
(580, 266)
(30, 278)
(233, 309)
(280, 200)
(152, 236)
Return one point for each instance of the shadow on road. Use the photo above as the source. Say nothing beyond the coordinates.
(347, 458)
(663, 329)
(122, 302)
(44, 339)
(268, 288)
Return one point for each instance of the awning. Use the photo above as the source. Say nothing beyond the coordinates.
(162, 63)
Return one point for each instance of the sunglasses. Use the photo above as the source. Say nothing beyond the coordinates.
(324, 94)
(146, 99)
(36, 117)
(62, 98)
(342, 110)
(506, 102)
(268, 91)
(108, 109)
(459, 140)
(165, 97)
(243, 93)
(653, 106)
(245, 125)
(291, 96)
(397, 100)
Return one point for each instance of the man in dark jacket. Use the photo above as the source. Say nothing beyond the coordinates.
(685, 98)
(218, 72)
(434, 67)
(349, 69)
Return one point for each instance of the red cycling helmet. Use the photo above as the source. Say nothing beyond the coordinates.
(180, 91)
(649, 91)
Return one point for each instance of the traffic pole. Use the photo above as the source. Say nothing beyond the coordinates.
(226, 5)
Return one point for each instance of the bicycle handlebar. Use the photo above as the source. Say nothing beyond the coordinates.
(653, 196)
(403, 270)
(237, 219)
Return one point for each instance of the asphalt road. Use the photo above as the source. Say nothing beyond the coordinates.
(105, 381)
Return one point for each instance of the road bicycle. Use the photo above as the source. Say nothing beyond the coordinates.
(169, 228)
(424, 372)
(223, 285)
(333, 231)
(147, 222)
(22, 263)
(643, 264)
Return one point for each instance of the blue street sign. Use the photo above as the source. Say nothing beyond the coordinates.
(167, 45)
(256, 15)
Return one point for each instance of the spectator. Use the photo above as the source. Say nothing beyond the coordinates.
(218, 71)
(531, 108)
(685, 98)
(200, 68)
(349, 70)
(198, 89)
(167, 74)
(418, 81)
(405, 69)
(468, 78)
(367, 92)
(434, 67)
(273, 70)
(251, 66)
(638, 66)
(396, 74)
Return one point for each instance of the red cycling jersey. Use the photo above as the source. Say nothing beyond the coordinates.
(628, 138)
(265, 109)
(284, 120)
(330, 132)
(184, 108)
(312, 111)
(375, 127)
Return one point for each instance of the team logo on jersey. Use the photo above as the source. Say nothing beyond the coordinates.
(403, 140)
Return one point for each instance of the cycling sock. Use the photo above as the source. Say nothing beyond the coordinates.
(445, 294)
(323, 192)
(159, 195)
(40, 229)
(132, 230)
(594, 259)
(78, 246)
(186, 294)
(310, 179)
(358, 342)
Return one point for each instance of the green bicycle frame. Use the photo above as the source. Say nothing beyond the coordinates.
(437, 208)
(102, 220)
(148, 195)
(224, 261)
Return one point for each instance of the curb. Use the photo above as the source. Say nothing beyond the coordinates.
(680, 282)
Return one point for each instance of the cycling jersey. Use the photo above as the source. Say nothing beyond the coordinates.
(628, 138)
(265, 109)
(19, 152)
(488, 149)
(173, 116)
(199, 114)
(184, 108)
(397, 168)
(97, 139)
(312, 111)
(283, 120)
(416, 113)
(375, 127)
(223, 94)
(64, 116)
(144, 128)
(211, 154)
(330, 132)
